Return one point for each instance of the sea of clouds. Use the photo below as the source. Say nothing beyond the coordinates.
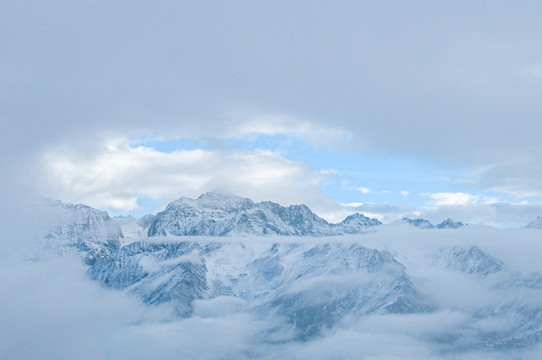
(52, 310)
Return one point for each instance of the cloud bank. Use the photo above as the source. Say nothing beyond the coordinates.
(116, 175)
(402, 79)
(52, 310)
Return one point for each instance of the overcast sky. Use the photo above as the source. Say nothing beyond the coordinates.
(389, 108)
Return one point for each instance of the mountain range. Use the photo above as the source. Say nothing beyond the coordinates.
(219, 215)
(426, 224)
(310, 284)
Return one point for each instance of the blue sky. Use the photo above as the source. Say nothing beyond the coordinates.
(385, 180)
(360, 177)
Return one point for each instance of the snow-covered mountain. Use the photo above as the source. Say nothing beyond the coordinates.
(514, 313)
(468, 260)
(535, 224)
(90, 231)
(426, 224)
(311, 285)
(355, 224)
(449, 224)
(308, 284)
(419, 223)
(219, 215)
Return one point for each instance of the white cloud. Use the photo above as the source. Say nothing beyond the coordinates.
(500, 214)
(366, 190)
(515, 174)
(51, 310)
(353, 204)
(468, 208)
(404, 193)
(326, 176)
(284, 124)
(456, 198)
(116, 176)
(384, 212)
(428, 98)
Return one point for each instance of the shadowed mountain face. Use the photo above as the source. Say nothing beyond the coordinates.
(310, 286)
(221, 215)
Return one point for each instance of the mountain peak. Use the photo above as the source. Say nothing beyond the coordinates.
(535, 224)
(449, 224)
(360, 219)
(83, 228)
(357, 223)
(426, 224)
(419, 223)
(217, 214)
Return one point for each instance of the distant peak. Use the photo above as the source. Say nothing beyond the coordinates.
(357, 220)
(535, 224)
(449, 224)
(419, 223)
(425, 224)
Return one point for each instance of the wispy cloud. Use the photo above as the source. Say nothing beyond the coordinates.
(456, 198)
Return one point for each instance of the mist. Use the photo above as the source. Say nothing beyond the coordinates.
(52, 309)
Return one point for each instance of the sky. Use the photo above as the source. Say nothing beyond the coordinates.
(389, 108)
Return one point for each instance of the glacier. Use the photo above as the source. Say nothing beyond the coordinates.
(535, 224)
